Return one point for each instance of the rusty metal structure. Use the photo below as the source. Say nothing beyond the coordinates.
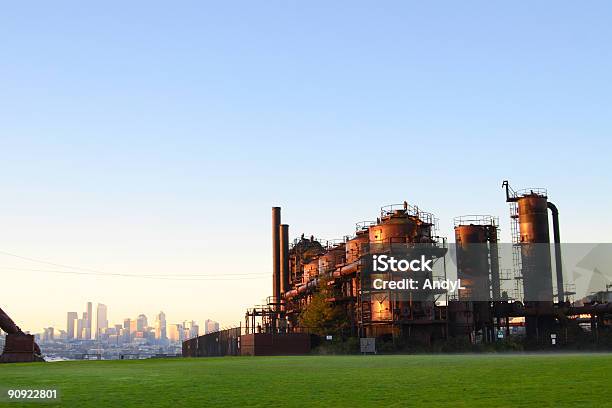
(478, 268)
(481, 312)
(477, 255)
(309, 262)
(383, 314)
(531, 239)
(19, 347)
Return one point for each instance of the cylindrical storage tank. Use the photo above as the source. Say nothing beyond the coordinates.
(355, 247)
(533, 218)
(535, 248)
(329, 260)
(473, 262)
(398, 227)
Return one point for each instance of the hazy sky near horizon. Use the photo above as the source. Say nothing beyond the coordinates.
(153, 138)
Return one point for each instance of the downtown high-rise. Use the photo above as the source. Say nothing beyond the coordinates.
(101, 319)
(160, 327)
(72, 319)
(87, 318)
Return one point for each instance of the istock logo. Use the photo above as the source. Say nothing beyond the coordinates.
(384, 263)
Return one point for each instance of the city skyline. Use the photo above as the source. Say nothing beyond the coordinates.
(140, 322)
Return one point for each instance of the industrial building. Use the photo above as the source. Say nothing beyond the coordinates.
(482, 311)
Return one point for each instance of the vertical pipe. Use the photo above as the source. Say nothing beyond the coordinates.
(276, 220)
(494, 257)
(558, 263)
(284, 258)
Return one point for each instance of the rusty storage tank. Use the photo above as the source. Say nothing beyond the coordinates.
(355, 247)
(478, 268)
(472, 236)
(397, 225)
(334, 256)
(533, 240)
(535, 249)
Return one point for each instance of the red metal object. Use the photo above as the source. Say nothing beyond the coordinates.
(19, 347)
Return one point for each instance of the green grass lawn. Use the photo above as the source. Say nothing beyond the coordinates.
(571, 380)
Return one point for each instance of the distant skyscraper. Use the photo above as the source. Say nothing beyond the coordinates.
(211, 326)
(191, 329)
(175, 333)
(141, 322)
(127, 324)
(85, 331)
(160, 327)
(101, 319)
(88, 320)
(71, 325)
(80, 328)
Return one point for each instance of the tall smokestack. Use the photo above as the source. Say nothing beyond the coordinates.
(284, 258)
(276, 248)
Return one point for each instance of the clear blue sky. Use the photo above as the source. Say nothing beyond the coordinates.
(154, 137)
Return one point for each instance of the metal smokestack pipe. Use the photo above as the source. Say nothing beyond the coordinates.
(276, 248)
(494, 258)
(558, 263)
(284, 258)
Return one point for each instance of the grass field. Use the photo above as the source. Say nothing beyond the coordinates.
(570, 380)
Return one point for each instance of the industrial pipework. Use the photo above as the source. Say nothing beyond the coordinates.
(340, 268)
(558, 262)
(284, 257)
